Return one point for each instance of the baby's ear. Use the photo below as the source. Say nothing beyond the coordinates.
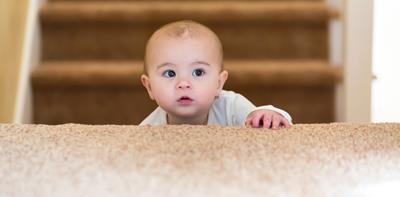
(146, 83)
(223, 76)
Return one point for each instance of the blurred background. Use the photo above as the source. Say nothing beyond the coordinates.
(79, 61)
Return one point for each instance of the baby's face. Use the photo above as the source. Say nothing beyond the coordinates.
(184, 74)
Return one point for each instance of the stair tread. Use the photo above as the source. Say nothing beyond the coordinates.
(173, 0)
(241, 72)
(218, 11)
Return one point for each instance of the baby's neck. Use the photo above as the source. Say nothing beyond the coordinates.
(200, 120)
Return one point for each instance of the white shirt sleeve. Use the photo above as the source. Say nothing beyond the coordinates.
(281, 112)
(157, 117)
(242, 107)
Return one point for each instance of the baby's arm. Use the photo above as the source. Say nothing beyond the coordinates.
(268, 118)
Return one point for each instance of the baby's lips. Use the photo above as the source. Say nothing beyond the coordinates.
(185, 98)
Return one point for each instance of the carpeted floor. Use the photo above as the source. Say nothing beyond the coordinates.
(305, 160)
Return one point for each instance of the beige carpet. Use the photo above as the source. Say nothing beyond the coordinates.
(110, 160)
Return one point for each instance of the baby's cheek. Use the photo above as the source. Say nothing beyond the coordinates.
(161, 94)
(207, 96)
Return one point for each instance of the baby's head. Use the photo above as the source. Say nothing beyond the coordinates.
(183, 70)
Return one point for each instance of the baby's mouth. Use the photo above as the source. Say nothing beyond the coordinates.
(185, 100)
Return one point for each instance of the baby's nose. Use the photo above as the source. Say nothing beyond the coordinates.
(184, 84)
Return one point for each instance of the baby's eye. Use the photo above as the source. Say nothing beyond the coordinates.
(169, 73)
(198, 72)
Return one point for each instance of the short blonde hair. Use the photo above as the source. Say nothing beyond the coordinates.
(183, 29)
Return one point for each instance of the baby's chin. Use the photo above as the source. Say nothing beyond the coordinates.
(189, 112)
(185, 112)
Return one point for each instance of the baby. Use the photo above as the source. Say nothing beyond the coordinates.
(184, 74)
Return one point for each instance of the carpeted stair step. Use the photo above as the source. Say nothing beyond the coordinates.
(339, 159)
(111, 92)
(248, 29)
(170, 0)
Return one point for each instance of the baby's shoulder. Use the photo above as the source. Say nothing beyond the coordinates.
(226, 98)
(226, 94)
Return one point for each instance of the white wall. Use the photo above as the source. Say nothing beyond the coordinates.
(386, 62)
(351, 48)
(357, 60)
(12, 31)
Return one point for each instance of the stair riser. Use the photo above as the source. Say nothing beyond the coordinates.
(91, 106)
(132, 105)
(127, 41)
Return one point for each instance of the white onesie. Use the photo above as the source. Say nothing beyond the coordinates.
(228, 109)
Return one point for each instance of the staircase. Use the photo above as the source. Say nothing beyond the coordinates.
(276, 53)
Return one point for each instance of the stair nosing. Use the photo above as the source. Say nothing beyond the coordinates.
(128, 75)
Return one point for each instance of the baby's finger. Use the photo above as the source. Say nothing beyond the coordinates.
(248, 121)
(255, 122)
(276, 121)
(285, 123)
(267, 121)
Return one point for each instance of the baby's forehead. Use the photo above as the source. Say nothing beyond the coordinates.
(165, 41)
(178, 33)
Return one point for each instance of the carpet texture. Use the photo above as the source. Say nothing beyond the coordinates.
(110, 160)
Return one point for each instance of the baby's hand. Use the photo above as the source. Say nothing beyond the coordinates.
(267, 119)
